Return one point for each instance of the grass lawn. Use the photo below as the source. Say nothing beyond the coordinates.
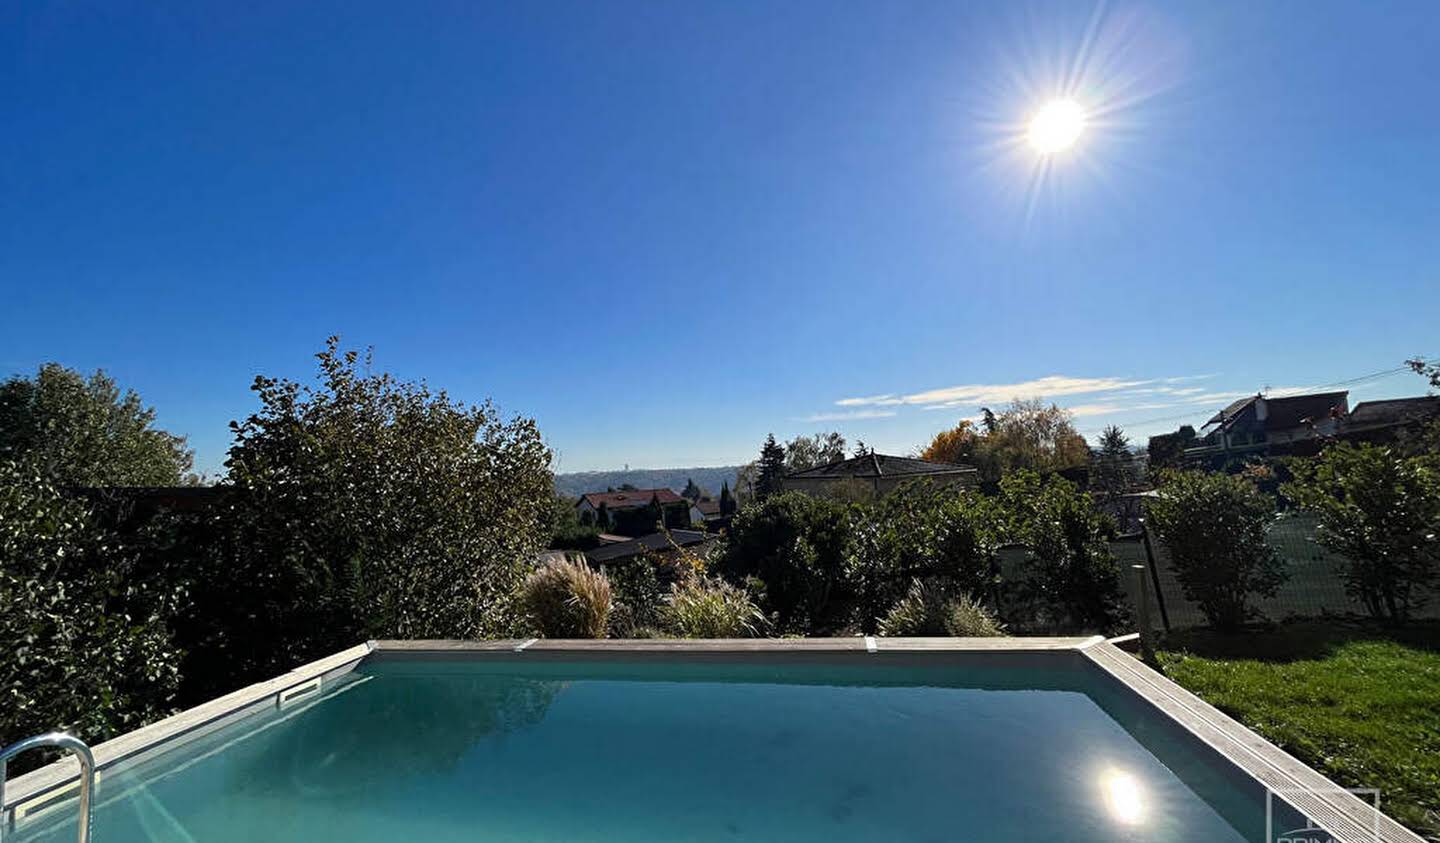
(1359, 703)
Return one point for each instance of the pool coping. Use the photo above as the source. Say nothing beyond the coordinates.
(1346, 816)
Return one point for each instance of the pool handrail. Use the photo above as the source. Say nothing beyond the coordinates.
(63, 740)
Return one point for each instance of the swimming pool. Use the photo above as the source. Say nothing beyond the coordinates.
(824, 740)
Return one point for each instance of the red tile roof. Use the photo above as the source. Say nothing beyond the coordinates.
(630, 500)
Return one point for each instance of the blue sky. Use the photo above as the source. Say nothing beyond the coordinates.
(666, 229)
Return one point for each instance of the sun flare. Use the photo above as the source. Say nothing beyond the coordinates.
(1056, 126)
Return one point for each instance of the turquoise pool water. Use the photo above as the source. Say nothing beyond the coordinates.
(523, 750)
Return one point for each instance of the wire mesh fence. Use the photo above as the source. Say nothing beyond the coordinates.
(1315, 587)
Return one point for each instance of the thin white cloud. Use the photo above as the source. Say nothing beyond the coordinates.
(1051, 386)
(850, 415)
(873, 400)
(1081, 410)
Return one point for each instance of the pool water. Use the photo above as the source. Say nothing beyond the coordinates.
(543, 751)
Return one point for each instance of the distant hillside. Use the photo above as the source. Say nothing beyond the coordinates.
(709, 479)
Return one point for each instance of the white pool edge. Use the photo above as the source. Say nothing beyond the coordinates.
(1344, 815)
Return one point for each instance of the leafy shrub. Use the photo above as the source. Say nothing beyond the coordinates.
(365, 507)
(920, 531)
(796, 544)
(1381, 511)
(85, 641)
(928, 609)
(639, 596)
(1073, 578)
(1214, 527)
(566, 598)
(711, 608)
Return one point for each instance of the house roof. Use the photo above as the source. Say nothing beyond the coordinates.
(1394, 411)
(1283, 413)
(707, 506)
(880, 465)
(652, 542)
(631, 499)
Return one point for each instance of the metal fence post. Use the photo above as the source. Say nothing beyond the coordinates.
(1142, 602)
(1154, 574)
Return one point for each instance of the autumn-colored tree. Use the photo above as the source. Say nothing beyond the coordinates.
(1025, 435)
(960, 444)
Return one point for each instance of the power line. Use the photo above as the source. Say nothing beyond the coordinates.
(1383, 373)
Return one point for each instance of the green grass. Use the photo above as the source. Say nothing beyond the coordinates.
(1359, 704)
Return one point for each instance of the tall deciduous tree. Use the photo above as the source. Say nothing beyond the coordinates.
(805, 452)
(1025, 435)
(83, 431)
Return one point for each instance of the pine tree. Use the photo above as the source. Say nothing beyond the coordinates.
(692, 491)
(772, 468)
(1111, 467)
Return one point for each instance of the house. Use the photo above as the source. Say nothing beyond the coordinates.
(705, 510)
(1257, 425)
(625, 510)
(663, 546)
(876, 474)
(1383, 421)
(1301, 424)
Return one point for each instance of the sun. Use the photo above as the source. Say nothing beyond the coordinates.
(1056, 126)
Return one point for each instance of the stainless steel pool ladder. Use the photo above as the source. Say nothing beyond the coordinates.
(87, 773)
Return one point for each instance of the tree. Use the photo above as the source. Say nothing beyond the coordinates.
(570, 530)
(772, 468)
(747, 477)
(727, 500)
(1167, 450)
(1026, 434)
(1073, 577)
(79, 431)
(367, 507)
(805, 452)
(83, 625)
(1213, 525)
(1381, 511)
(796, 545)
(1110, 472)
(692, 491)
(960, 445)
(1426, 369)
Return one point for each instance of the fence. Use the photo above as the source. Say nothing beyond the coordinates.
(1314, 589)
